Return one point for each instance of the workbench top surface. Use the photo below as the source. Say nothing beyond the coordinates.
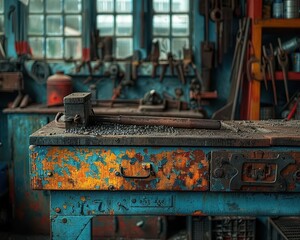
(231, 134)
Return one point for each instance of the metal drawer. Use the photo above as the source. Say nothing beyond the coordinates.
(255, 171)
(118, 168)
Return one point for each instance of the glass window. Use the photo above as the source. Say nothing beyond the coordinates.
(55, 29)
(114, 18)
(1, 17)
(171, 26)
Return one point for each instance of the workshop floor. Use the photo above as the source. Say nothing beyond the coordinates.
(12, 236)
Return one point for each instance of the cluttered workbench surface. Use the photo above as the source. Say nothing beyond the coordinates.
(124, 165)
(230, 134)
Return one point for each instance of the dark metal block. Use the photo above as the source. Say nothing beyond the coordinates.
(255, 171)
(11, 81)
(77, 110)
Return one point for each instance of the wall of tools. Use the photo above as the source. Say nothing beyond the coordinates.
(199, 77)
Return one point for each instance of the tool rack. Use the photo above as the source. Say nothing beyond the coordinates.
(252, 94)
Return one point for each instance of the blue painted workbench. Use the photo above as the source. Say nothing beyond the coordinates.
(245, 169)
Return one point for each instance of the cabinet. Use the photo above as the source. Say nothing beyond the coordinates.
(252, 91)
(30, 208)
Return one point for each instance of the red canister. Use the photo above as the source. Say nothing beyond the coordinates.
(59, 85)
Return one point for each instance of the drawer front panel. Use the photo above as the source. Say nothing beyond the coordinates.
(118, 168)
(255, 171)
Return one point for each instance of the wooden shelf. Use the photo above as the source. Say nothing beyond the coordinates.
(292, 76)
(278, 23)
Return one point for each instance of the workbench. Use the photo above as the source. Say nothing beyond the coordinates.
(245, 168)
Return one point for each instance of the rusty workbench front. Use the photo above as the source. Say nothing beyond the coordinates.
(245, 168)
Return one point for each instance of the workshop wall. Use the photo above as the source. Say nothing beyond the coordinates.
(219, 81)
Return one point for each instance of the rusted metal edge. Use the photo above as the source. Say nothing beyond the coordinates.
(147, 141)
(285, 140)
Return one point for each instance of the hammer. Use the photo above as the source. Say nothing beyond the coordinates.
(79, 113)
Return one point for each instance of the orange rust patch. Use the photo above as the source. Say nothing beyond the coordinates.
(169, 166)
(111, 212)
(198, 213)
(130, 153)
(82, 198)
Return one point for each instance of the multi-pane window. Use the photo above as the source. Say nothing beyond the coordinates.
(55, 29)
(171, 26)
(1, 17)
(114, 18)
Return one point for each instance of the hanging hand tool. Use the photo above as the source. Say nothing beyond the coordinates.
(216, 15)
(271, 68)
(165, 65)
(86, 49)
(124, 82)
(154, 57)
(188, 61)
(263, 70)
(237, 50)
(250, 62)
(142, 22)
(136, 61)
(207, 48)
(283, 61)
(227, 27)
(228, 111)
(180, 70)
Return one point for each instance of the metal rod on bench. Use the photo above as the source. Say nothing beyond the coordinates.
(161, 121)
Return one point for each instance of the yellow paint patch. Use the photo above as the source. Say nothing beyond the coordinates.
(178, 164)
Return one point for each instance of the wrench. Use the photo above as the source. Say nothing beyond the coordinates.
(263, 70)
(217, 16)
(283, 62)
(271, 67)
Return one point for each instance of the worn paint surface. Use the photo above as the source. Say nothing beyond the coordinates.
(129, 227)
(173, 203)
(31, 208)
(79, 228)
(256, 171)
(118, 168)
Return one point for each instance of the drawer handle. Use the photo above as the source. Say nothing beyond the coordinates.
(146, 166)
(259, 176)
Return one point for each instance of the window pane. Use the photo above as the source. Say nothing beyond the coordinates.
(36, 24)
(164, 47)
(36, 6)
(161, 25)
(73, 6)
(177, 45)
(73, 48)
(180, 5)
(161, 5)
(124, 48)
(54, 25)
(105, 23)
(1, 24)
(73, 25)
(54, 6)
(37, 47)
(124, 6)
(105, 5)
(54, 48)
(124, 25)
(180, 25)
(1, 6)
